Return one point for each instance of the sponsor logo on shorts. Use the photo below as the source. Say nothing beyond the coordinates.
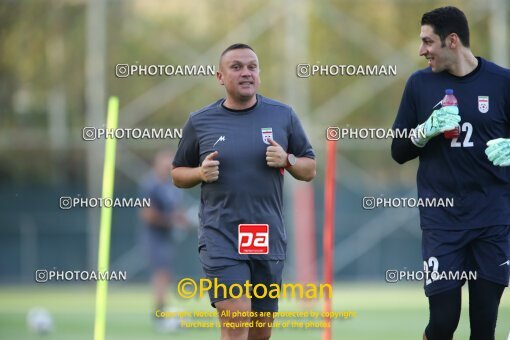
(505, 263)
(253, 239)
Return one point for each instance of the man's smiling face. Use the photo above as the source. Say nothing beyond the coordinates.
(434, 50)
(239, 73)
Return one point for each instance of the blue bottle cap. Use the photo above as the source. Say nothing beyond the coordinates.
(448, 91)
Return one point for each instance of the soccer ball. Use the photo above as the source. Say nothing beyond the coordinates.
(39, 320)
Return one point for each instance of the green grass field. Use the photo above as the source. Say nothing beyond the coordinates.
(389, 311)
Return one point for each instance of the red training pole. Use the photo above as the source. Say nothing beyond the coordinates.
(304, 235)
(329, 230)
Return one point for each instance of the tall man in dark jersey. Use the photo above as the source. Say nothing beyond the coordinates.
(237, 149)
(474, 235)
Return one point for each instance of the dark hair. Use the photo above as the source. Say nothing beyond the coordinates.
(448, 20)
(236, 47)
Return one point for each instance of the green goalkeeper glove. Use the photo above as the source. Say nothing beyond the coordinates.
(442, 120)
(498, 151)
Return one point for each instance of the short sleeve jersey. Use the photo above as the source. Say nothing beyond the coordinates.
(163, 195)
(458, 168)
(248, 191)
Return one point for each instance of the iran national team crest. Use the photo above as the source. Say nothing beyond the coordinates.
(483, 104)
(267, 133)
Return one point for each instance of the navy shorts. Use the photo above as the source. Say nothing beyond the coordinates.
(455, 256)
(232, 271)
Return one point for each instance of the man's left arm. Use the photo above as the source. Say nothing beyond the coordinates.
(303, 169)
(498, 151)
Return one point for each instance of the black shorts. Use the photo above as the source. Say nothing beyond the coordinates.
(484, 252)
(232, 271)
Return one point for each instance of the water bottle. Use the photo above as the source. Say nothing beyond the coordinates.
(450, 100)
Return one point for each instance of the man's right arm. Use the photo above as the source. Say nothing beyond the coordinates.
(185, 177)
(440, 121)
(403, 150)
(186, 171)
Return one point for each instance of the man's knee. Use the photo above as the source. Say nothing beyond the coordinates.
(444, 315)
(234, 310)
(484, 299)
(231, 313)
(440, 330)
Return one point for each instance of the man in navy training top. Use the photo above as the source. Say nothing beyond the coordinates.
(474, 235)
(237, 149)
(158, 223)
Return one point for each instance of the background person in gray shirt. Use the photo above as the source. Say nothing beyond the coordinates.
(158, 222)
(237, 149)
